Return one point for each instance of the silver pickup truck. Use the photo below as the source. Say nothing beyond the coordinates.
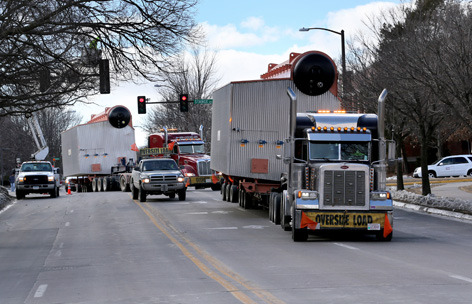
(158, 176)
(37, 177)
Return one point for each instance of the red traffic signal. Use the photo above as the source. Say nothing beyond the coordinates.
(141, 104)
(183, 100)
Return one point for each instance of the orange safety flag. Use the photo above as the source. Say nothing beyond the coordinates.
(307, 222)
(214, 179)
(134, 147)
(387, 227)
(171, 146)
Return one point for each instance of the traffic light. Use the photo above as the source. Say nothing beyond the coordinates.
(141, 104)
(183, 102)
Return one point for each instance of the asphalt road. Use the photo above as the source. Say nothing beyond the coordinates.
(107, 248)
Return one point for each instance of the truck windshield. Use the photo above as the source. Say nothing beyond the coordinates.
(350, 151)
(160, 165)
(191, 149)
(36, 167)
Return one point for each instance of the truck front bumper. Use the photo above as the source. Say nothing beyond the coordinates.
(35, 188)
(162, 188)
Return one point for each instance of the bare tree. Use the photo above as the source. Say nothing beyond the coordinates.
(51, 49)
(193, 74)
(406, 60)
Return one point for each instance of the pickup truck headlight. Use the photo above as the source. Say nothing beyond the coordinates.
(21, 179)
(51, 178)
(145, 180)
(180, 179)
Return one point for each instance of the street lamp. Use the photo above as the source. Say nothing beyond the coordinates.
(343, 53)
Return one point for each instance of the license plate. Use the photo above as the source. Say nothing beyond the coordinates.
(200, 180)
(373, 226)
(35, 187)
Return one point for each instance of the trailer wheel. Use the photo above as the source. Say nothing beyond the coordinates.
(240, 197)
(271, 207)
(182, 195)
(99, 184)
(276, 209)
(142, 194)
(223, 191)
(106, 184)
(134, 191)
(284, 219)
(247, 200)
(228, 192)
(124, 185)
(94, 185)
(234, 191)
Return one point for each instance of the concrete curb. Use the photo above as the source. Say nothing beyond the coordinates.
(435, 211)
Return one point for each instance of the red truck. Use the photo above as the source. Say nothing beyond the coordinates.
(188, 150)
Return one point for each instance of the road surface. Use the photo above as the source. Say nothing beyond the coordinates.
(106, 248)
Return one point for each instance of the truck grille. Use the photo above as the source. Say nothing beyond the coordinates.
(204, 167)
(344, 188)
(163, 178)
(35, 179)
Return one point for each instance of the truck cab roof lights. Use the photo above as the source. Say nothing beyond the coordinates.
(329, 111)
(338, 129)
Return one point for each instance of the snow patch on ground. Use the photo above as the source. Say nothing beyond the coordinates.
(5, 198)
(431, 201)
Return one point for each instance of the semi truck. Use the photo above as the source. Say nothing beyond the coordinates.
(188, 150)
(313, 170)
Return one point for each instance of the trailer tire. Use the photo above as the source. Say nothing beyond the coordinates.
(247, 200)
(99, 184)
(223, 191)
(182, 195)
(240, 197)
(228, 192)
(94, 185)
(271, 207)
(134, 191)
(276, 208)
(284, 219)
(234, 191)
(124, 186)
(106, 184)
(142, 194)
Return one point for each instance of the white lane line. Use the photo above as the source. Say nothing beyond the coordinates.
(458, 277)
(346, 246)
(200, 202)
(40, 291)
(58, 253)
(223, 228)
(67, 224)
(197, 213)
(254, 227)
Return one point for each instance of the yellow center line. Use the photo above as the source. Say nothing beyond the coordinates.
(259, 292)
(241, 296)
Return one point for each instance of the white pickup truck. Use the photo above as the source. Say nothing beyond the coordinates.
(158, 176)
(37, 177)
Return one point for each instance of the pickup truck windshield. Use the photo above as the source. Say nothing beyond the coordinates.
(191, 149)
(32, 167)
(160, 165)
(339, 151)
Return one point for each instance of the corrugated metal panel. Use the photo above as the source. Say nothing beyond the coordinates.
(259, 111)
(100, 138)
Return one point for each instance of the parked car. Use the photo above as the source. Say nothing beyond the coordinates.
(455, 165)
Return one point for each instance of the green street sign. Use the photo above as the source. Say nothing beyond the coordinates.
(203, 101)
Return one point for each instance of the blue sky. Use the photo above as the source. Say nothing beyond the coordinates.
(248, 35)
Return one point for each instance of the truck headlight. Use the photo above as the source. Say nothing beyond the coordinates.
(51, 178)
(181, 179)
(380, 196)
(21, 179)
(307, 194)
(145, 180)
(189, 174)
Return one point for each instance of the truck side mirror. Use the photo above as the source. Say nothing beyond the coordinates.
(137, 168)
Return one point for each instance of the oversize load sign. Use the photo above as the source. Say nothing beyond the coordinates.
(153, 151)
(346, 220)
